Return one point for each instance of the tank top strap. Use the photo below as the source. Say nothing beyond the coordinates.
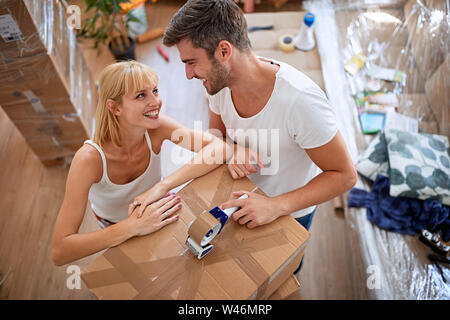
(149, 142)
(96, 146)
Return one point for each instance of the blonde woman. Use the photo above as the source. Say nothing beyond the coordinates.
(119, 171)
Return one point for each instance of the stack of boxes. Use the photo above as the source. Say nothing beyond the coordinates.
(45, 86)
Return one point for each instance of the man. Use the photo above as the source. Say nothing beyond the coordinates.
(252, 93)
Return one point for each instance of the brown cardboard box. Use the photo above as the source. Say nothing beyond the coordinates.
(36, 73)
(415, 105)
(46, 70)
(428, 35)
(51, 134)
(244, 263)
(43, 25)
(32, 90)
(63, 42)
(437, 89)
(287, 290)
(372, 30)
(396, 57)
(31, 42)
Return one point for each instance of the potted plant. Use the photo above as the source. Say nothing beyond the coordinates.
(107, 22)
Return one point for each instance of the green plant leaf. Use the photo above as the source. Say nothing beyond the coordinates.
(132, 17)
(89, 5)
(101, 25)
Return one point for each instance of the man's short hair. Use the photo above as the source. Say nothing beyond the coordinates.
(206, 23)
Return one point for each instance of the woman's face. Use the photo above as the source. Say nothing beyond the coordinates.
(141, 108)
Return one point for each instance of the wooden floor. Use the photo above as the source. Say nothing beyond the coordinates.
(31, 194)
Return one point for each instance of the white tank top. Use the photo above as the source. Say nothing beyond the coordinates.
(110, 201)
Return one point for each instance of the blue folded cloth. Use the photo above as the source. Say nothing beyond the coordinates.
(399, 214)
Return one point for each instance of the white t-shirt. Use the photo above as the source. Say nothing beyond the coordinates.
(297, 116)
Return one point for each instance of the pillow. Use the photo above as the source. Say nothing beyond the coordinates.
(419, 165)
(374, 159)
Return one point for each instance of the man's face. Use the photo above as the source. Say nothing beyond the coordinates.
(214, 75)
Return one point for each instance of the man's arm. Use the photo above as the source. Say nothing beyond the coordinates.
(239, 165)
(216, 123)
(338, 176)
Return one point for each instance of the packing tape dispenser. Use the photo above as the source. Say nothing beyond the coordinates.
(202, 230)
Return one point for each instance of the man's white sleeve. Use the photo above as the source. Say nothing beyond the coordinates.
(311, 121)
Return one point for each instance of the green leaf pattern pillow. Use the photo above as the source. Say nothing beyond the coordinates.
(374, 159)
(419, 165)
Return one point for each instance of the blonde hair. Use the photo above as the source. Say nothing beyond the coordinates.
(115, 81)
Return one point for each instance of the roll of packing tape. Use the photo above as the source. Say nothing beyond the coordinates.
(287, 43)
(204, 228)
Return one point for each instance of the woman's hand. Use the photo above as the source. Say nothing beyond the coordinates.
(156, 215)
(242, 162)
(153, 194)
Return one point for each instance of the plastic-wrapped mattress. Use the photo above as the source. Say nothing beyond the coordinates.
(410, 38)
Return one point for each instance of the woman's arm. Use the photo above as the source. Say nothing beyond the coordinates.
(68, 245)
(211, 153)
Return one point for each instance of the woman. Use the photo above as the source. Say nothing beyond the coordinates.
(119, 171)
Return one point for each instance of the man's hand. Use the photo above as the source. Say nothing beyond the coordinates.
(243, 162)
(256, 210)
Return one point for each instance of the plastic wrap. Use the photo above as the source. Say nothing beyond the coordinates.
(407, 36)
(45, 86)
(30, 25)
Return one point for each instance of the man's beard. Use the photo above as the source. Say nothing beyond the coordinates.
(218, 78)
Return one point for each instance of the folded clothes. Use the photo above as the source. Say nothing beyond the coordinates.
(399, 214)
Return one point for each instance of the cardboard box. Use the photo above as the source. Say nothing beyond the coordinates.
(437, 89)
(36, 73)
(28, 38)
(51, 135)
(244, 263)
(427, 35)
(415, 105)
(63, 43)
(287, 290)
(372, 29)
(44, 68)
(32, 90)
(38, 26)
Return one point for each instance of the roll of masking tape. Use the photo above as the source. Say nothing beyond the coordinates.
(204, 228)
(287, 43)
